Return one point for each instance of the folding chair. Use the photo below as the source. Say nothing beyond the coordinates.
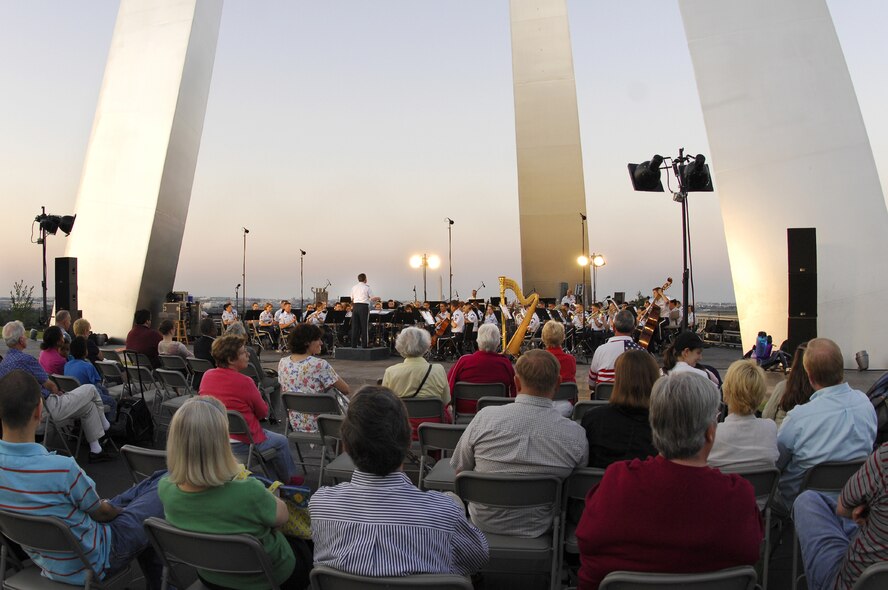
(307, 403)
(230, 554)
(68, 431)
(584, 406)
(603, 391)
(423, 409)
(65, 383)
(237, 425)
(142, 462)
(828, 477)
(576, 486)
(260, 339)
(325, 578)
(110, 354)
(142, 381)
(500, 490)
(443, 438)
(488, 401)
(567, 392)
(764, 483)
(736, 578)
(48, 534)
(875, 577)
(198, 368)
(174, 362)
(464, 393)
(341, 466)
(112, 374)
(132, 358)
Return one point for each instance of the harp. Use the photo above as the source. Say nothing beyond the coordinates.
(529, 303)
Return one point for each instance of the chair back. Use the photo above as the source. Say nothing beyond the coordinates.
(832, 475)
(584, 406)
(311, 403)
(198, 366)
(112, 355)
(567, 392)
(764, 482)
(736, 578)
(329, 426)
(427, 408)
(439, 437)
(136, 359)
(65, 383)
(139, 375)
(173, 362)
(875, 577)
(237, 425)
(230, 554)
(325, 578)
(603, 391)
(576, 486)
(44, 534)
(143, 462)
(487, 401)
(111, 371)
(250, 371)
(173, 379)
(503, 490)
(466, 395)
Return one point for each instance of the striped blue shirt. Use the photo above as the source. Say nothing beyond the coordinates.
(35, 481)
(384, 526)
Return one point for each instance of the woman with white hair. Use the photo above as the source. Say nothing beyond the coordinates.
(416, 377)
(484, 366)
(671, 513)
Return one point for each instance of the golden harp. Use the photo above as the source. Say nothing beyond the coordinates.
(529, 304)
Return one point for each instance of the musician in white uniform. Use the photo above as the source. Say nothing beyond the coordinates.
(457, 324)
(361, 297)
(569, 299)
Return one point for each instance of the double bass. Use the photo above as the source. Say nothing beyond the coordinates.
(653, 320)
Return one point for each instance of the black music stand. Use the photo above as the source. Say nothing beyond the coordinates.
(252, 315)
(406, 317)
(543, 315)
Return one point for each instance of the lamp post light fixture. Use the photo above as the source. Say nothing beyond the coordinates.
(597, 261)
(425, 262)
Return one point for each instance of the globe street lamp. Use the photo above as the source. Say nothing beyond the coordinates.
(425, 262)
(597, 262)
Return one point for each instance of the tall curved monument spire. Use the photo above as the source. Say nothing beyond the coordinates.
(551, 193)
(139, 168)
(789, 150)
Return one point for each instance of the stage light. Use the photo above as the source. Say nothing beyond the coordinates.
(646, 176)
(415, 261)
(434, 262)
(695, 176)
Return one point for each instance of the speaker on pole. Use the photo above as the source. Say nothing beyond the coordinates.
(66, 285)
(801, 246)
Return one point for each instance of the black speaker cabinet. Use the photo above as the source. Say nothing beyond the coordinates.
(800, 330)
(619, 297)
(803, 295)
(66, 284)
(801, 245)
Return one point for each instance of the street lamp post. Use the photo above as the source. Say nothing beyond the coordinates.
(244, 277)
(597, 261)
(583, 261)
(425, 262)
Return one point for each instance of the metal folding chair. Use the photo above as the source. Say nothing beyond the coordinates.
(237, 425)
(764, 482)
(341, 466)
(584, 406)
(142, 462)
(576, 486)
(65, 383)
(487, 401)
(603, 391)
(465, 391)
(442, 438)
(198, 368)
(308, 403)
(567, 392)
(737, 578)
(875, 577)
(325, 578)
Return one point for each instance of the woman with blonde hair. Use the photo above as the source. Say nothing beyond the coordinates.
(743, 441)
(202, 492)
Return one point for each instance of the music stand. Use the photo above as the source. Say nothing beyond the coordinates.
(335, 317)
(543, 315)
(252, 315)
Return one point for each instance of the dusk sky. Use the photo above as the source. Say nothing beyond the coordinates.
(352, 129)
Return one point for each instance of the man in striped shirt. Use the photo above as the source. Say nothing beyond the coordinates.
(40, 483)
(380, 524)
(840, 539)
(601, 369)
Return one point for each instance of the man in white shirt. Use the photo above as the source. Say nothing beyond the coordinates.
(601, 368)
(361, 297)
(569, 299)
(457, 324)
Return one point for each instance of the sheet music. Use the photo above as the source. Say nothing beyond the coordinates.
(505, 311)
(427, 316)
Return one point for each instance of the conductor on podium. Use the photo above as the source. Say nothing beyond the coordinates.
(361, 297)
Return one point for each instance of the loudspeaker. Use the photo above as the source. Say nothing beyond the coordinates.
(801, 246)
(803, 295)
(66, 285)
(619, 297)
(800, 330)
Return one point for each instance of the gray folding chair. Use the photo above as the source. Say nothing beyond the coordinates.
(143, 462)
(110, 354)
(465, 391)
(307, 403)
(576, 486)
(603, 391)
(764, 482)
(567, 392)
(131, 358)
(875, 577)
(174, 362)
(487, 401)
(341, 466)
(48, 534)
(736, 578)
(507, 491)
(112, 373)
(142, 382)
(237, 425)
(325, 578)
(829, 477)
(65, 383)
(68, 431)
(177, 392)
(442, 438)
(250, 371)
(584, 406)
(429, 409)
(198, 367)
(230, 554)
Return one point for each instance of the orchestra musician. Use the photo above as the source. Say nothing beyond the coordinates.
(490, 315)
(286, 320)
(268, 325)
(570, 300)
(229, 314)
(457, 325)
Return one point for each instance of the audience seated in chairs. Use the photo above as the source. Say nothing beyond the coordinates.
(238, 392)
(416, 377)
(840, 539)
(837, 424)
(85, 372)
(621, 430)
(169, 346)
(417, 532)
(52, 348)
(528, 436)
(671, 513)
(203, 493)
(484, 366)
(143, 339)
(83, 403)
(794, 391)
(303, 372)
(203, 346)
(83, 328)
(744, 442)
(39, 483)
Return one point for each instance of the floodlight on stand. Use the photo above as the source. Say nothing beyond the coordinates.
(598, 260)
(695, 176)
(434, 262)
(415, 261)
(646, 176)
(582, 261)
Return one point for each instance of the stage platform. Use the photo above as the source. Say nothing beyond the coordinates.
(344, 353)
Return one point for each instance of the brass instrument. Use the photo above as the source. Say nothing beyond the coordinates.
(529, 303)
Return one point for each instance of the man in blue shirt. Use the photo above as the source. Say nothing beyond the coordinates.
(41, 483)
(837, 424)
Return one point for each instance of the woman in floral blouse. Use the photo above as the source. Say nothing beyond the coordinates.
(305, 373)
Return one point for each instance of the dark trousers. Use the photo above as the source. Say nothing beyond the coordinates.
(360, 315)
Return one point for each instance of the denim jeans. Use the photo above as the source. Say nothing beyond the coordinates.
(128, 538)
(283, 465)
(823, 536)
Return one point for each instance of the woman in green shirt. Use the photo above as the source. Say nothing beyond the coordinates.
(200, 494)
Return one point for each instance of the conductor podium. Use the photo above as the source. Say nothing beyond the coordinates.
(345, 353)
